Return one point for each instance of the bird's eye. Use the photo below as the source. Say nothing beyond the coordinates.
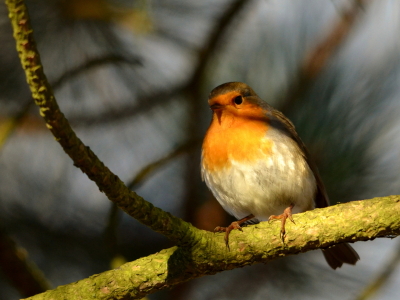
(238, 100)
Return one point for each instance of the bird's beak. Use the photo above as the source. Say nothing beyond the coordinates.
(215, 106)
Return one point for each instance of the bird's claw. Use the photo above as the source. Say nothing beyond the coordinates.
(282, 235)
(219, 229)
(287, 214)
(234, 225)
(227, 230)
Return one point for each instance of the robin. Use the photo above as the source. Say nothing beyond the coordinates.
(257, 167)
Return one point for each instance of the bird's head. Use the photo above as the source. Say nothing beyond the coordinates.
(236, 100)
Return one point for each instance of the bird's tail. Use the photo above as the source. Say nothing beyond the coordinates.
(338, 254)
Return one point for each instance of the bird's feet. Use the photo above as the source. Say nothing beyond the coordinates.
(234, 225)
(287, 214)
(227, 230)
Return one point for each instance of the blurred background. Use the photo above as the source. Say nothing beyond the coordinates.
(133, 78)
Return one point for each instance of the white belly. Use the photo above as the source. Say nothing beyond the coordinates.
(267, 186)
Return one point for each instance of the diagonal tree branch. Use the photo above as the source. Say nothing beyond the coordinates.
(136, 181)
(388, 269)
(20, 271)
(172, 227)
(93, 63)
(319, 56)
(319, 228)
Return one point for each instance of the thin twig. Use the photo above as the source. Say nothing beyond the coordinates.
(154, 166)
(90, 64)
(137, 180)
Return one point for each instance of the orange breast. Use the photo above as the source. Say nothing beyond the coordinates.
(232, 137)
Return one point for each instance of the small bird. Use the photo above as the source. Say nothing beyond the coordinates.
(257, 167)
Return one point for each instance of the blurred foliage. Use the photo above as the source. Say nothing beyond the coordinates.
(126, 74)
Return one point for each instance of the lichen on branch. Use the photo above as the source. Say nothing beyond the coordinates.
(83, 157)
(319, 228)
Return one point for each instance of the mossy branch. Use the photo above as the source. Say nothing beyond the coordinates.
(84, 158)
(350, 222)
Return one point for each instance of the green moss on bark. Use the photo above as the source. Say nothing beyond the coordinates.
(84, 158)
(350, 222)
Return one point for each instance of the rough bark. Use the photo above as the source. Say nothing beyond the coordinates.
(350, 222)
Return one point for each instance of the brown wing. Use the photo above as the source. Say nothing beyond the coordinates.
(321, 198)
